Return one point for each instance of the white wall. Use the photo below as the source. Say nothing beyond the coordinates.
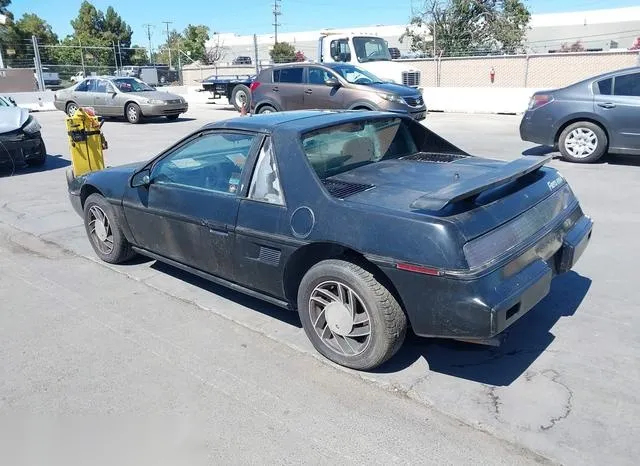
(477, 99)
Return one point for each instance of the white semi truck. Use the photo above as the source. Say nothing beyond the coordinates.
(366, 51)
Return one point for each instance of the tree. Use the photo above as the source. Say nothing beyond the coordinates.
(89, 23)
(283, 52)
(636, 44)
(463, 27)
(194, 40)
(575, 47)
(32, 25)
(215, 53)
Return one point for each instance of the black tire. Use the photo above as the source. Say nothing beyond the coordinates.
(173, 117)
(133, 114)
(41, 159)
(121, 250)
(387, 321)
(591, 132)
(267, 109)
(71, 108)
(239, 93)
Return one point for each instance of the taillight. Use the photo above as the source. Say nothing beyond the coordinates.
(254, 85)
(538, 100)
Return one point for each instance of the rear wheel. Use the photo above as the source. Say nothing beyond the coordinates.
(349, 316)
(104, 232)
(582, 142)
(133, 113)
(241, 95)
(266, 109)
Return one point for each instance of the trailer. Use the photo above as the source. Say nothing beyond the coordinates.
(234, 87)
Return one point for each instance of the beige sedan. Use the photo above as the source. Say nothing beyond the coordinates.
(120, 97)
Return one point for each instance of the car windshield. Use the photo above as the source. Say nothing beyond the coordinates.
(338, 149)
(355, 75)
(371, 49)
(132, 85)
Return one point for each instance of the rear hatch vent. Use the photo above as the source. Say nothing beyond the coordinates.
(433, 157)
(342, 189)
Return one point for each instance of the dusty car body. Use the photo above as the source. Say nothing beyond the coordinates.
(127, 97)
(362, 221)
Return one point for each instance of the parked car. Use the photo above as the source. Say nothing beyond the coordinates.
(589, 118)
(120, 97)
(362, 221)
(331, 86)
(20, 138)
(234, 88)
(241, 61)
(76, 78)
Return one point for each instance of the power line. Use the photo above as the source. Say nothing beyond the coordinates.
(276, 13)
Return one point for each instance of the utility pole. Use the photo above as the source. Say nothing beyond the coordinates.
(276, 13)
(167, 23)
(38, 63)
(149, 26)
(84, 70)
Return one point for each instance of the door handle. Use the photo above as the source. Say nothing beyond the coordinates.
(218, 228)
(275, 89)
(308, 91)
(607, 105)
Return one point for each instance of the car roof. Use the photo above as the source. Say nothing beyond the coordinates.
(297, 120)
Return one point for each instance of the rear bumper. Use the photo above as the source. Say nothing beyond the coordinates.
(481, 308)
(536, 129)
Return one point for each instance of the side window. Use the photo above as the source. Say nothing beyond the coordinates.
(604, 86)
(92, 85)
(265, 182)
(340, 50)
(318, 75)
(288, 75)
(213, 162)
(627, 85)
(102, 86)
(83, 86)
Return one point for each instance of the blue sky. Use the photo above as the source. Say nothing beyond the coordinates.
(254, 16)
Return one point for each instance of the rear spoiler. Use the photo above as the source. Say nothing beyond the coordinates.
(464, 189)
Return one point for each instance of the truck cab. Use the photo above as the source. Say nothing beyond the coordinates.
(369, 52)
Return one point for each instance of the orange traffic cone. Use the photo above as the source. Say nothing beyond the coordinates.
(243, 109)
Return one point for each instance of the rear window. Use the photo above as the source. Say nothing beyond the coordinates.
(604, 86)
(288, 75)
(338, 149)
(628, 85)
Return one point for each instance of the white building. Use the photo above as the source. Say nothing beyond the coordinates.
(597, 29)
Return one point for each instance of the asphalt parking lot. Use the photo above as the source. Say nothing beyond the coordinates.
(81, 337)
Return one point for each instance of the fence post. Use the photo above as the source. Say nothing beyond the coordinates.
(180, 77)
(38, 63)
(115, 56)
(84, 70)
(526, 70)
(255, 52)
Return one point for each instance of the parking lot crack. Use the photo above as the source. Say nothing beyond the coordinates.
(568, 406)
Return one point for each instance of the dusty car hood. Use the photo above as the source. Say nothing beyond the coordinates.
(12, 118)
(158, 95)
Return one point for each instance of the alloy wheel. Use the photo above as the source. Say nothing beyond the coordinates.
(100, 230)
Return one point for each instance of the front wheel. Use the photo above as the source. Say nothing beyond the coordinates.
(133, 113)
(71, 108)
(173, 117)
(349, 316)
(582, 142)
(266, 109)
(104, 232)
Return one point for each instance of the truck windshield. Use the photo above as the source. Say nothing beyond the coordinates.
(355, 75)
(340, 148)
(132, 85)
(371, 49)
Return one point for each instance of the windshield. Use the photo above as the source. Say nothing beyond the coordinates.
(371, 49)
(132, 85)
(338, 149)
(355, 75)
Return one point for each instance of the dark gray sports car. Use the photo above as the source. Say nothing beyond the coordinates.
(362, 221)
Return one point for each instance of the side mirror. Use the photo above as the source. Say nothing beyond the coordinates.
(141, 178)
(332, 82)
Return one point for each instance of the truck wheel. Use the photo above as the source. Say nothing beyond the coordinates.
(71, 108)
(104, 232)
(349, 316)
(582, 142)
(133, 113)
(267, 109)
(241, 95)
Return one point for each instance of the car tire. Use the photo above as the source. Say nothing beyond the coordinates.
(582, 142)
(133, 113)
(240, 93)
(173, 117)
(41, 159)
(267, 109)
(108, 240)
(71, 108)
(334, 331)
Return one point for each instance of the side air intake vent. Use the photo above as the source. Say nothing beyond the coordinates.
(342, 189)
(433, 157)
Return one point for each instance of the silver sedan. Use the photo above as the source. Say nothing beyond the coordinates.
(120, 97)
